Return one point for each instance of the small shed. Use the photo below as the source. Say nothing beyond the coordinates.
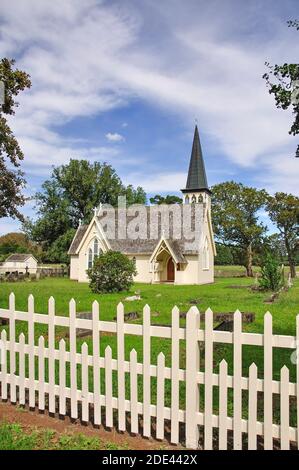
(20, 262)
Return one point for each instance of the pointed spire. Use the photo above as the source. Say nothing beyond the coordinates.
(197, 179)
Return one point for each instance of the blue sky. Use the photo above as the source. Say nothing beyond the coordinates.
(123, 82)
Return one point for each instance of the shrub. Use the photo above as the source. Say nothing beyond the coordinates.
(111, 272)
(271, 274)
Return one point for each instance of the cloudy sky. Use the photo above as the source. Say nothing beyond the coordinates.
(123, 81)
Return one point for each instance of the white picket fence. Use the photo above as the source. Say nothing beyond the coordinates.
(31, 358)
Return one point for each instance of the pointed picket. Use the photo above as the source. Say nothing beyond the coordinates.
(62, 409)
(108, 387)
(73, 359)
(160, 396)
(208, 439)
(51, 349)
(12, 352)
(84, 381)
(223, 405)
(96, 363)
(22, 369)
(237, 420)
(252, 407)
(3, 365)
(175, 365)
(268, 375)
(146, 371)
(192, 405)
(121, 368)
(284, 409)
(41, 373)
(31, 357)
(133, 391)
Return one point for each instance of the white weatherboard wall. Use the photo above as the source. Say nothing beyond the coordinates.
(16, 382)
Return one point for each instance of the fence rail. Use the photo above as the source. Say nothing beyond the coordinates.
(35, 373)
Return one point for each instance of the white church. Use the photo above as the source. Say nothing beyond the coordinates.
(164, 259)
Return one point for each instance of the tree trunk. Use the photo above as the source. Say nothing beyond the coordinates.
(249, 270)
(290, 259)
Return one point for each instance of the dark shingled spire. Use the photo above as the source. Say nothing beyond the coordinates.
(197, 179)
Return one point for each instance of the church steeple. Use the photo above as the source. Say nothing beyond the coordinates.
(197, 178)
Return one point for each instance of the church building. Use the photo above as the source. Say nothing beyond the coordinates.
(163, 259)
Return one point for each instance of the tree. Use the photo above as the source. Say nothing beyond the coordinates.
(283, 211)
(286, 87)
(224, 255)
(111, 272)
(271, 273)
(70, 195)
(15, 242)
(235, 217)
(11, 177)
(57, 252)
(169, 199)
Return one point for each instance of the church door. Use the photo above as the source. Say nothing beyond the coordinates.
(170, 270)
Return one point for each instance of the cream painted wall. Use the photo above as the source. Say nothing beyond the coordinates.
(74, 268)
(142, 266)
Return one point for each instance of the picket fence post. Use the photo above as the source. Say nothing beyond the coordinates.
(192, 405)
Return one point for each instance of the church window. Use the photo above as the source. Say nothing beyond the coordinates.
(206, 257)
(200, 199)
(187, 200)
(193, 200)
(93, 251)
(90, 258)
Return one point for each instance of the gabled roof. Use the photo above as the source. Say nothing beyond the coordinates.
(197, 178)
(138, 246)
(20, 257)
(173, 248)
(77, 239)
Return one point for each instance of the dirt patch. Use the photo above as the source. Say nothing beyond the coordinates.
(33, 419)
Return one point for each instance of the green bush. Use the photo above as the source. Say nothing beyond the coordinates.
(271, 273)
(111, 272)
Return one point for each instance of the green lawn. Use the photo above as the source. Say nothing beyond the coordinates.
(225, 295)
(13, 436)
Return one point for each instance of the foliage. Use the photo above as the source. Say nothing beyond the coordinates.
(11, 177)
(283, 211)
(17, 243)
(224, 255)
(271, 273)
(111, 272)
(235, 217)
(286, 87)
(71, 194)
(57, 252)
(169, 199)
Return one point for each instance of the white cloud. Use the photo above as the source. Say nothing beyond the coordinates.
(87, 58)
(114, 137)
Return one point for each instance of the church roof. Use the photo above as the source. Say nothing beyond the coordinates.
(197, 178)
(145, 246)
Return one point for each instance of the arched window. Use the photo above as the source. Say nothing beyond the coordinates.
(90, 258)
(187, 200)
(193, 200)
(200, 199)
(93, 251)
(96, 248)
(206, 255)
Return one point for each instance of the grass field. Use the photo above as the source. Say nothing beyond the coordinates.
(225, 295)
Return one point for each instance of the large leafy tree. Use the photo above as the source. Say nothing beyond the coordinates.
(283, 210)
(70, 195)
(283, 83)
(235, 217)
(11, 177)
